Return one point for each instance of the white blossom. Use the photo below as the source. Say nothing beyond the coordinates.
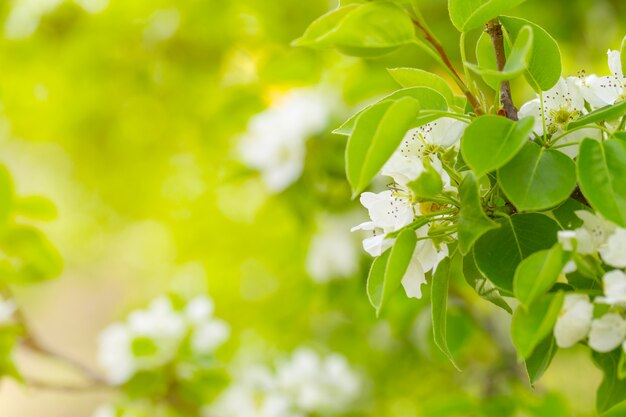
(614, 251)
(574, 320)
(607, 332)
(7, 309)
(274, 142)
(389, 211)
(333, 252)
(426, 257)
(319, 385)
(590, 237)
(407, 162)
(606, 90)
(614, 283)
(105, 411)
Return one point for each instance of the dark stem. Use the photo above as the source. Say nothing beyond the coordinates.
(494, 29)
(431, 39)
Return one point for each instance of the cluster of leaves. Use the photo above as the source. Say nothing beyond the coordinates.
(514, 189)
(27, 257)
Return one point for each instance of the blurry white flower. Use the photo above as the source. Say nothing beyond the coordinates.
(274, 143)
(333, 252)
(614, 251)
(590, 237)
(162, 25)
(574, 320)
(603, 91)
(389, 211)
(252, 394)
(607, 332)
(614, 283)
(25, 15)
(151, 338)
(105, 411)
(7, 309)
(319, 385)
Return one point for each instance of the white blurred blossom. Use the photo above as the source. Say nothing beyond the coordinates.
(614, 284)
(275, 140)
(574, 321)
(588, 238)
(151, 338)
(607, 332)
(7, 309)
(614, 251)
(333, 252)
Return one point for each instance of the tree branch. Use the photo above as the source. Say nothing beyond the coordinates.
(494, 29)
(431, 39)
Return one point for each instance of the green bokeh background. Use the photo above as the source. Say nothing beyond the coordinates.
(127, 119)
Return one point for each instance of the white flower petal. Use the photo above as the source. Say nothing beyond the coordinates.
(607, 332)
(574, 320)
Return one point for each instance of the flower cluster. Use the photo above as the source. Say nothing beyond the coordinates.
(275, 141)
(305, 385)
(423, 150)
(570, 99)
(153, 338)
(605, 330)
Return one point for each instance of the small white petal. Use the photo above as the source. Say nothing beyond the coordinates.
(614, 252)
(607, 332)
(574, 320)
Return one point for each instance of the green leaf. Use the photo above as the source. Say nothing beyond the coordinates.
(516, 63)
(449, 267)
(610, 112)
(368, 29)
(428, 184)
(532, 323)
(539, 361)
(483, 287)
(499, 251)
(318, 33)
(36, 207)
(487, 58)
(36, 259)
(377, 134)
(538, 178)
(386, 276)
(7, 194)
(428, 99)
(414, 77)
(565, 214)
(544, 67)
(602, 177)
(536, 274)
(473, 223)
(490, 141)
(471, 14)
(612, 390)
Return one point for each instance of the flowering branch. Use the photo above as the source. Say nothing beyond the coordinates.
(431, 39)
(494, 29)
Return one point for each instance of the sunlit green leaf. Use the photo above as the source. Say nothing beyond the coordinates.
(489, 142)
(447, 268)
(483, 287)
(473, 223)
(414, 77)
(428, 99)
(532, 323)
(610, 112)
(602, 177)
(538, 178)
(471, 14)
(377, 134)
(537, 273)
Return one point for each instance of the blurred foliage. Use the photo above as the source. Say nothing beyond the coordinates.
(134, 111)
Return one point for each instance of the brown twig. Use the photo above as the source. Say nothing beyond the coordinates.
(431, 39)
(494, 29)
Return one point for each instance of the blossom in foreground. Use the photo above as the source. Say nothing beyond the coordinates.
(606, 90)
(614, 283)
(574, 321)
(151, 338)
(607, 332)
(614, 251)
(275, 140)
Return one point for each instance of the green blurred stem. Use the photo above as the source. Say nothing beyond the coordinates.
(443, 58)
